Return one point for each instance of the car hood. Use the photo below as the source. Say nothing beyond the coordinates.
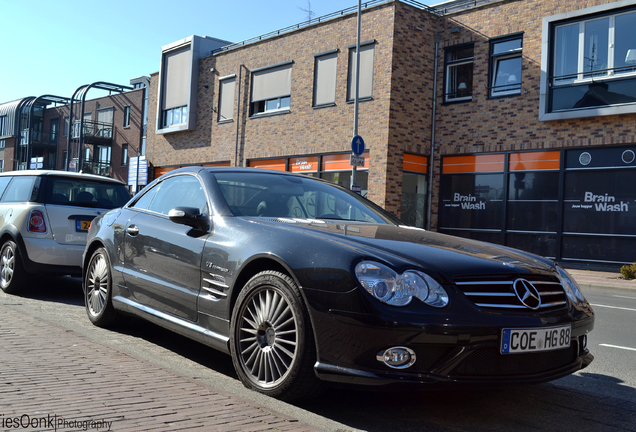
(449, 256)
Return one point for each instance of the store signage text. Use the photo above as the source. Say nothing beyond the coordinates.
(604, 203)
(304, 165)
(468, 202)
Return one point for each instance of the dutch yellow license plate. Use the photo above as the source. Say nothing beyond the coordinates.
(82, 225)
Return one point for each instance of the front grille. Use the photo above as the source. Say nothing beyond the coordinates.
(489, 362)
(499, 293)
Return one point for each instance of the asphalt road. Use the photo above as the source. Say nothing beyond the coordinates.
(599, 398)
(613, 341)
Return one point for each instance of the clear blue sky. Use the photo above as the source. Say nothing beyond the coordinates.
(54, 47)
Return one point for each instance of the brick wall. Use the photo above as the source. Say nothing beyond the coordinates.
(512, 123)
(304, 130)
(399, 117)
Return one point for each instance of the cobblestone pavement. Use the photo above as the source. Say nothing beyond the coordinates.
(50, 375)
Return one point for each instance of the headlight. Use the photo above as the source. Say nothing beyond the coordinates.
(395, 289)
(571, 288)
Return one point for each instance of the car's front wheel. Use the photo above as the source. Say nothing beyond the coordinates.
(98, 290)
(271, 342)
(12, 274)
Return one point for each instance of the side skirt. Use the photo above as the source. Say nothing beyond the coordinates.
(177, 325)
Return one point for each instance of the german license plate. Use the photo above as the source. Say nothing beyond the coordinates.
(535, 339)
(82, 225)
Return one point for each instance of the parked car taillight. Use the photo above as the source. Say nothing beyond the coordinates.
(36, 222)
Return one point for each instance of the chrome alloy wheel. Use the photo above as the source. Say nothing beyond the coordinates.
(7, 266)
(97, 282)
(268, 337)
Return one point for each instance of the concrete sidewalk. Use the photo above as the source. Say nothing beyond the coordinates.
(56, 379)
(598, 279)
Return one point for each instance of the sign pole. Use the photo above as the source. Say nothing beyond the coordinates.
(357, 89)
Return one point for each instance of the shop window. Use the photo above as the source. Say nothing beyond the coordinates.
(414, 190)
(591, 63)
(459, 73)
(533, 192)
(271, 90)
(343, 178)
(307, 165)
(325, 67)
(472, 201)
(367, 52)
(505, 66)
(226, 98)
(600, 202)
(271, 164)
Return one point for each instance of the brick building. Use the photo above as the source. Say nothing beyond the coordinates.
(528, 108)
(105, 131)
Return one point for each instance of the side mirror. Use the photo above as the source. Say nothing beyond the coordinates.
(190, 216)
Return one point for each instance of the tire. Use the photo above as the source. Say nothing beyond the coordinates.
(12, 273)
(271, 340)
(98, 291)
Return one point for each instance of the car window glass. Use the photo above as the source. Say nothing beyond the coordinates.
(272, 195)
(19, 190)
(145, 200)
(4, 181)
(86, 193)
(179, 191)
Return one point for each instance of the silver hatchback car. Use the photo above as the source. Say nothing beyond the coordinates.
(44, 219)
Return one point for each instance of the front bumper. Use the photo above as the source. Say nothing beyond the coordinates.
(450, 347)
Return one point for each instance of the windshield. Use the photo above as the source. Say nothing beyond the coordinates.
(285, 196)
(86, 193)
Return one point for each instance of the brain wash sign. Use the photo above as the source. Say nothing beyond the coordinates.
(601, 203)
(467, 202)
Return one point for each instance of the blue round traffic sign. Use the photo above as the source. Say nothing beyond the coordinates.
(357, 145)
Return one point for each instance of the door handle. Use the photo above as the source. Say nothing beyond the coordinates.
(133, 230)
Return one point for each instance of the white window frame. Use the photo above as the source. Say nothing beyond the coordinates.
(452, 64)
(168, 116)
(547, 64)
(583, 76)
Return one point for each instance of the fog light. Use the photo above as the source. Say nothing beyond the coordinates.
(397, 357)
(583, 341)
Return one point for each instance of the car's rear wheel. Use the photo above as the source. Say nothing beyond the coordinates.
(271, 342)
(98, 284)
(12, 274)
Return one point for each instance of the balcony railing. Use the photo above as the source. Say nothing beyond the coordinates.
(40, 137)
(99, 168)
(93, 130)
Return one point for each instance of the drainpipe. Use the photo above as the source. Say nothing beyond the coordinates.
(432, 158)
(238, 115)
